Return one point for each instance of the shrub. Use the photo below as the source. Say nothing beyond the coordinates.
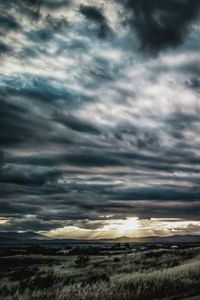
(82, 260)
(116, 259)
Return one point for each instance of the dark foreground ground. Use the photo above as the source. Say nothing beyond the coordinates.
(145, 275)
(193, 298)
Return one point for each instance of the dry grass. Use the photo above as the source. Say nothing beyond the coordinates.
(161, 274)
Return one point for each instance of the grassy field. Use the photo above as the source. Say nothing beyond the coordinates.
(148, 275)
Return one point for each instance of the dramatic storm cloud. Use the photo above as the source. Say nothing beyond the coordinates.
(100, 117)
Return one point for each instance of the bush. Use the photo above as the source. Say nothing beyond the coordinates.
(82, 260)
(116, 259)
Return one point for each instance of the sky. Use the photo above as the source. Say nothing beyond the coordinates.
(100, 117)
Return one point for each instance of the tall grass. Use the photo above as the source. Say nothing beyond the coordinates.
(142, 276)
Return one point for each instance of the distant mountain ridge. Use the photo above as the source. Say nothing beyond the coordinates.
(33, 237)
(162, 239)
(12, 235)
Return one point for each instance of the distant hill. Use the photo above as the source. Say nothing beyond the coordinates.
(163, 239)
(13, 236)
(29, 237)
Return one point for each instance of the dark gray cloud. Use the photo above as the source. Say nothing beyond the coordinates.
(161, 24)
(4, 48)
(55, 5)
(23, 128)
(8, 23)
(28, 177)
(194, 84)
(31, 223)
(51, 27)
(28, 5)
(159, 193)
(95, 15)
(77, 124)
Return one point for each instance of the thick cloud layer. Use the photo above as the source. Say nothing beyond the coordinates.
(159, 24)
(99, 112)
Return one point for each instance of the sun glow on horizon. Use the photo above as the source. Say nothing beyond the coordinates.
(125, 227)
(110, 229)
(131, 227)
(4, 221)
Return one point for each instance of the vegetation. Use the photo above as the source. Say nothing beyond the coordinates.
(155, 274)
(82, 260)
